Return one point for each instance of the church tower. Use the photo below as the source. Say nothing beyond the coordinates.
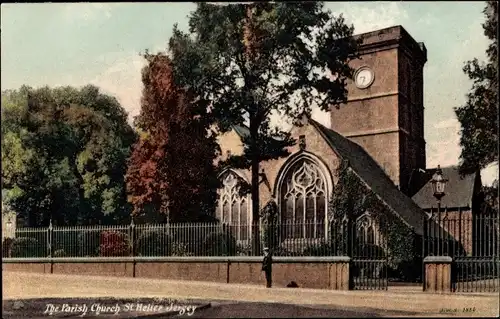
(384, 112)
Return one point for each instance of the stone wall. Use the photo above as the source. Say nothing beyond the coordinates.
(307, 272)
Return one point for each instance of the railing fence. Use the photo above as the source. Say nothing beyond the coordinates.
(188, 239)
(472, 242)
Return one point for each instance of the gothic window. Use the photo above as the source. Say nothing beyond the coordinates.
(303, 201)
(232, 208)
(365, 230)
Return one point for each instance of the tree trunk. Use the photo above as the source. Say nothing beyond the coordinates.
(256, 249)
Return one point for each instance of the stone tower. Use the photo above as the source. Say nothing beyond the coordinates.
(385, 112)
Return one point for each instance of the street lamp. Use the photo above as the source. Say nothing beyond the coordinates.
(438, 185)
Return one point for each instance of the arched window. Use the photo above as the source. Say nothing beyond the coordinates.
(233, 208)
(365, 230)
(303, 200)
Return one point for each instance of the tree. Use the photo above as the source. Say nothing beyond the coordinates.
(63, 155)
(254, 60)
(171, 171)
(479, 116)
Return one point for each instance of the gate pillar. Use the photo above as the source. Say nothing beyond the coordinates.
(437, 274)
(339, 273)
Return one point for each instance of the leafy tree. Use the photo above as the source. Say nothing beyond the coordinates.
(171, 171)
(63, 155)
(479, 116)
(254, 60)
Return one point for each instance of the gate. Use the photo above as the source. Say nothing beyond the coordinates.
(369, 256)
(472, 242)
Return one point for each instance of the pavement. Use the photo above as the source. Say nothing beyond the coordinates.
(224, 297)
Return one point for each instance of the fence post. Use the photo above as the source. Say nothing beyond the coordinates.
(350, 250)
(49, 239)
(131, 236)
(424, 248)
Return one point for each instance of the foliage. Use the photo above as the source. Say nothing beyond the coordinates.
(59, 253)
(250, 61)
(171, 172)
(323, 249)
(114, 244)
(219, 243)
(270, 231)
(27, 247)
(243, 250)
(479, 116)
(490, 200)
(7, 247)
(350, 200)
(88, 243)
(64, 152)
(66, 241)
(181, 249)
(346, 204)
(154, 243)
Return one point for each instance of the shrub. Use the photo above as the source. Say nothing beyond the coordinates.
(283, 252)
(244, 250)
(88, 243)
(114, 244)
(7, 247)
(180, 249)
(59, 253)
(154, 243)
(322, 249)
(66, 241)
(270, 235)
(28, 247)
(219, 243)
(190, 237)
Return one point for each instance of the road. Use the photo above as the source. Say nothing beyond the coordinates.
(18, 285)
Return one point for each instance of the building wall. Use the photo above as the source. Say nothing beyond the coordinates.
(315, 144)
(8, 231)
(459, 224)
(386, 118)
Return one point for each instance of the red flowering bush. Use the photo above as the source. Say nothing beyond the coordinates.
(114, 244)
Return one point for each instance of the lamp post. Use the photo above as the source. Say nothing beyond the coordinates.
(438, 186)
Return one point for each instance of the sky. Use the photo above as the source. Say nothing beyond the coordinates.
(75, 44)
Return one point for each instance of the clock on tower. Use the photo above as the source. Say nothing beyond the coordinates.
(384, 108)
(364, 77)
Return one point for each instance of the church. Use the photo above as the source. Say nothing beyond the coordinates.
(379, 131)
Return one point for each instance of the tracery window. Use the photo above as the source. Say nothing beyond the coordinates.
(303, 201)
(366, 230)
(232, 208)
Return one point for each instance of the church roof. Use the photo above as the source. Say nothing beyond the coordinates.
(374, 177)
(459, 190)
(241, 130)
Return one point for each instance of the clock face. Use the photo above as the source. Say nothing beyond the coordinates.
(364, 77)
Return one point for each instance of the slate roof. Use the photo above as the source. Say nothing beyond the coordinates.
(458, 192)
(374, 176)
(241, 130)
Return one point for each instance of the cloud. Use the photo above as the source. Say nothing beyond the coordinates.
(122, 79)
(88, 11)
(364, 19)
(370, 18)
(443, 148)
(449, 123)
(489, 174)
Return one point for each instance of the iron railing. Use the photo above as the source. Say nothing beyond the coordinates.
(310, 238)
(472, 240)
